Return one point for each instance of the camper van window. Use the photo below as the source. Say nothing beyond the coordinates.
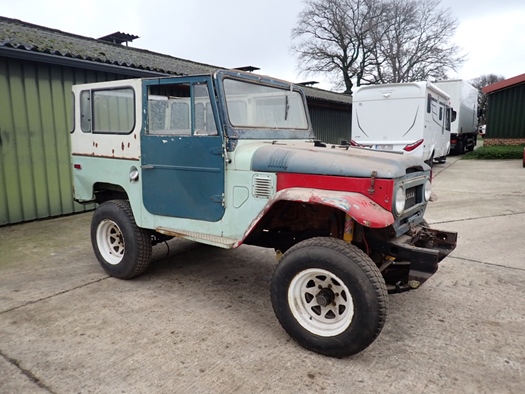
(440, 113)
(447, 119)
(429, 103)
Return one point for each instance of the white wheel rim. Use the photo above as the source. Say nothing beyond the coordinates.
(110, 241)
(328, 320)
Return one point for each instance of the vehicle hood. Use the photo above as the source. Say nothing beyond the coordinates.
(305, 158)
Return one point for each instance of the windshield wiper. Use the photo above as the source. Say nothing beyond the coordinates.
(286, 108)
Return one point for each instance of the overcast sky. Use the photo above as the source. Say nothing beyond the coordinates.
(234, 33)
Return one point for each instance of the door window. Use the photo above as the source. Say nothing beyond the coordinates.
(180, 109)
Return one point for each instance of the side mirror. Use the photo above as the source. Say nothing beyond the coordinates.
(454, 114)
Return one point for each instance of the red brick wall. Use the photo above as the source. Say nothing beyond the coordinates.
(503, 141)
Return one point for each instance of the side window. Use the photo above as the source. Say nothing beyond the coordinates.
(440, 112)
(72, 114)
(429, 103)
(447, 118)
(180, 109)
(180, 115)
(204, 119)
(85, 111)
(113, 111)
(434, 110)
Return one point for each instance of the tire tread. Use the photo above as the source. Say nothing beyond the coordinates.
(363, 261)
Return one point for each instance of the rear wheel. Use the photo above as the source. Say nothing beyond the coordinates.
(430, 161)
(122, 248)
(329, 296)
(470, 148)
(460, 147)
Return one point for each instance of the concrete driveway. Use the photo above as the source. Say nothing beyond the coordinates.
(200, 319)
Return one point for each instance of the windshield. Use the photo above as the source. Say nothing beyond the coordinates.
(252, 105)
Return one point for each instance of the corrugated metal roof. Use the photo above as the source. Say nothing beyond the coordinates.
(504, 84)
(24, 36)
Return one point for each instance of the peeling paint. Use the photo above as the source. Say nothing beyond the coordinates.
(360, 208)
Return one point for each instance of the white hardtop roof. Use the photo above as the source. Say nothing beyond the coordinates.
(422, 86)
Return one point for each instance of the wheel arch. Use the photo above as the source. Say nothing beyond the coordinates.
(314, 212)
(104, 191)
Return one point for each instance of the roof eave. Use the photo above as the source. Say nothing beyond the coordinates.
(504, 84)
(77, 63)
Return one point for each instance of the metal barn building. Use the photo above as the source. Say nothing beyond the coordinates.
(506, 112)
(38, 66)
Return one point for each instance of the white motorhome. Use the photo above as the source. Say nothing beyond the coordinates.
(412, 118)
(464, 99)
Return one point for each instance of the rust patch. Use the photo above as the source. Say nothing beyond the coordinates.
(359, 207)
(105, 156)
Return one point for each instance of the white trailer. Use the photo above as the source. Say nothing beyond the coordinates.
(412, 118)
(464, 100)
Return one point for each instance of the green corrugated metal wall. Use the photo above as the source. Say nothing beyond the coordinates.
(35, 119)
(331, 125)
(506, 113)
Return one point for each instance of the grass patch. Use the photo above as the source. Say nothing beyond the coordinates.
(496, 152)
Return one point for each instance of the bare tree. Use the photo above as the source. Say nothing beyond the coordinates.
(334, 37)
(412, 43)
(375, 41)
(479, 83)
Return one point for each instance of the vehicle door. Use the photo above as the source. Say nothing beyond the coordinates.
(182, 149)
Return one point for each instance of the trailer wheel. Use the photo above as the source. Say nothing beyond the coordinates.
(122, 248)
(460, 147)
(329, 296)
(430, 161)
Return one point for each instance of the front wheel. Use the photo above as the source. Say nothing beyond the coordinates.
(122, 248)
(329, 296)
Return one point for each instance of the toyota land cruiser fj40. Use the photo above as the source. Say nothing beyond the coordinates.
(230, 159)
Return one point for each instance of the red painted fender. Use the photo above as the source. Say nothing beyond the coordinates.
(359, 207)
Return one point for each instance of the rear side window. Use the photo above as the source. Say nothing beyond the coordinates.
(107, 111)
(85, 111)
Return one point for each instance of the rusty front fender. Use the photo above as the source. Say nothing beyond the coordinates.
(359, 207)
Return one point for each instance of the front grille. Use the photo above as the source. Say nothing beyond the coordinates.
(415, 204)
(413, 196)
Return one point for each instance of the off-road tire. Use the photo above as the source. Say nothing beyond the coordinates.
(345, 268)
(122, 248)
